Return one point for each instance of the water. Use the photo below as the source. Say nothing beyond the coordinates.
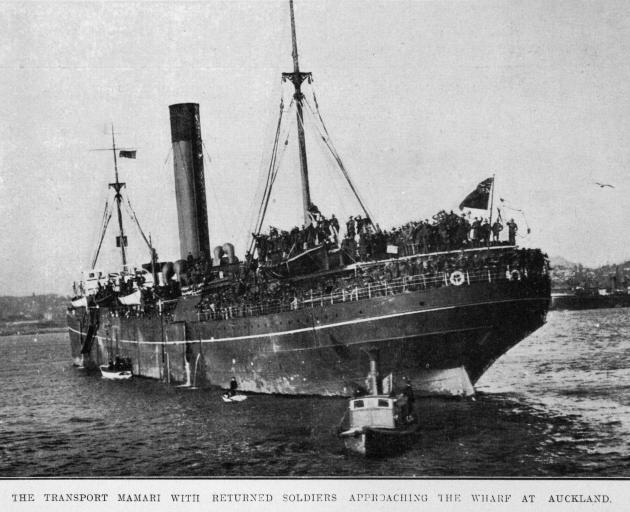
(558, 404)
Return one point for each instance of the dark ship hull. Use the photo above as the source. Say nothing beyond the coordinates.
(567, 302)
(443, 339)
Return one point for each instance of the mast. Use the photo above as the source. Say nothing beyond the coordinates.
(491, 207)
(297, 77)
(117, 186)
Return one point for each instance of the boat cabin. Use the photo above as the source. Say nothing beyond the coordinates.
(377, 411)
(91, 280)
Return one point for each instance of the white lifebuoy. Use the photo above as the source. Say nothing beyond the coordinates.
(457, 278)
(515, 275)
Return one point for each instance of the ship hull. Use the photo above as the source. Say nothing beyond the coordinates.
(442, 339)
(579, 302)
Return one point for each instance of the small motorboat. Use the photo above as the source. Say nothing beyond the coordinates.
(379, 425)
(113, 374)
(227, 398)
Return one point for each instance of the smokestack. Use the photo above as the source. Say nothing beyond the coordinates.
(190, 190)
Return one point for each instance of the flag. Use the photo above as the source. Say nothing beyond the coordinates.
(479, 197)
(127, 154)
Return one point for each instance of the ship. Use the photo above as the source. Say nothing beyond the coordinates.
(585, 298)
(576, 288)
(311, 310)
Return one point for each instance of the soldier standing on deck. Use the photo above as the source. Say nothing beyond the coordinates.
(512, 230)
(497, 227)
(474, 232)
(334, 222)
(350, 232)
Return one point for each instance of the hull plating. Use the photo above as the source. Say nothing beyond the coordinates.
(442, 339)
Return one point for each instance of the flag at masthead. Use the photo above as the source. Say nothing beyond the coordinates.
(478, 199)
(117, 186)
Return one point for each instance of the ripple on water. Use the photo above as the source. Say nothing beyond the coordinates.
(558, 404)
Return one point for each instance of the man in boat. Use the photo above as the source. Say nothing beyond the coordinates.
(233, 386)
(407, 412)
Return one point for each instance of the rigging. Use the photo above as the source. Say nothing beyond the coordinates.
(297, 78)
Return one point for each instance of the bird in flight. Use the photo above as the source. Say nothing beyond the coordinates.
(602, 185)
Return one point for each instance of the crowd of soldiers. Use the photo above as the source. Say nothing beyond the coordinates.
(365, 240)
(250, 289)
(113, 286)
(279, 245)
(121, 286)
(260, 294)
(448, 231)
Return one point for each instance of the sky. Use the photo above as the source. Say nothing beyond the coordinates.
(423, 100)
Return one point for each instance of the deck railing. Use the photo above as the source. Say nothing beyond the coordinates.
(369, 290)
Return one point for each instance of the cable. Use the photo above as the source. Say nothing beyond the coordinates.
(262, 208)
(325, 137)
(133, 216)
(274, 167)
(107, 215)
(522, 212)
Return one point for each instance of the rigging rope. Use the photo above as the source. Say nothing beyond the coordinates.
(132, 214)
(170, 150)
(107, 215)
(272, 173)
(263, 204)
(323, 131)
(337, 183)
(217, 210)
(522, 212)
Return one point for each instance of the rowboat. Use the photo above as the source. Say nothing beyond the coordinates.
(234, 398)
(110, 374)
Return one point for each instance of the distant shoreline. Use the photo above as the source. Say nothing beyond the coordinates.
(37, 328)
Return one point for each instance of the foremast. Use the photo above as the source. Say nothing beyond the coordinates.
(297, 77)
(118, 186)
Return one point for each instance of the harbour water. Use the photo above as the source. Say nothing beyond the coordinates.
(558, 404)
